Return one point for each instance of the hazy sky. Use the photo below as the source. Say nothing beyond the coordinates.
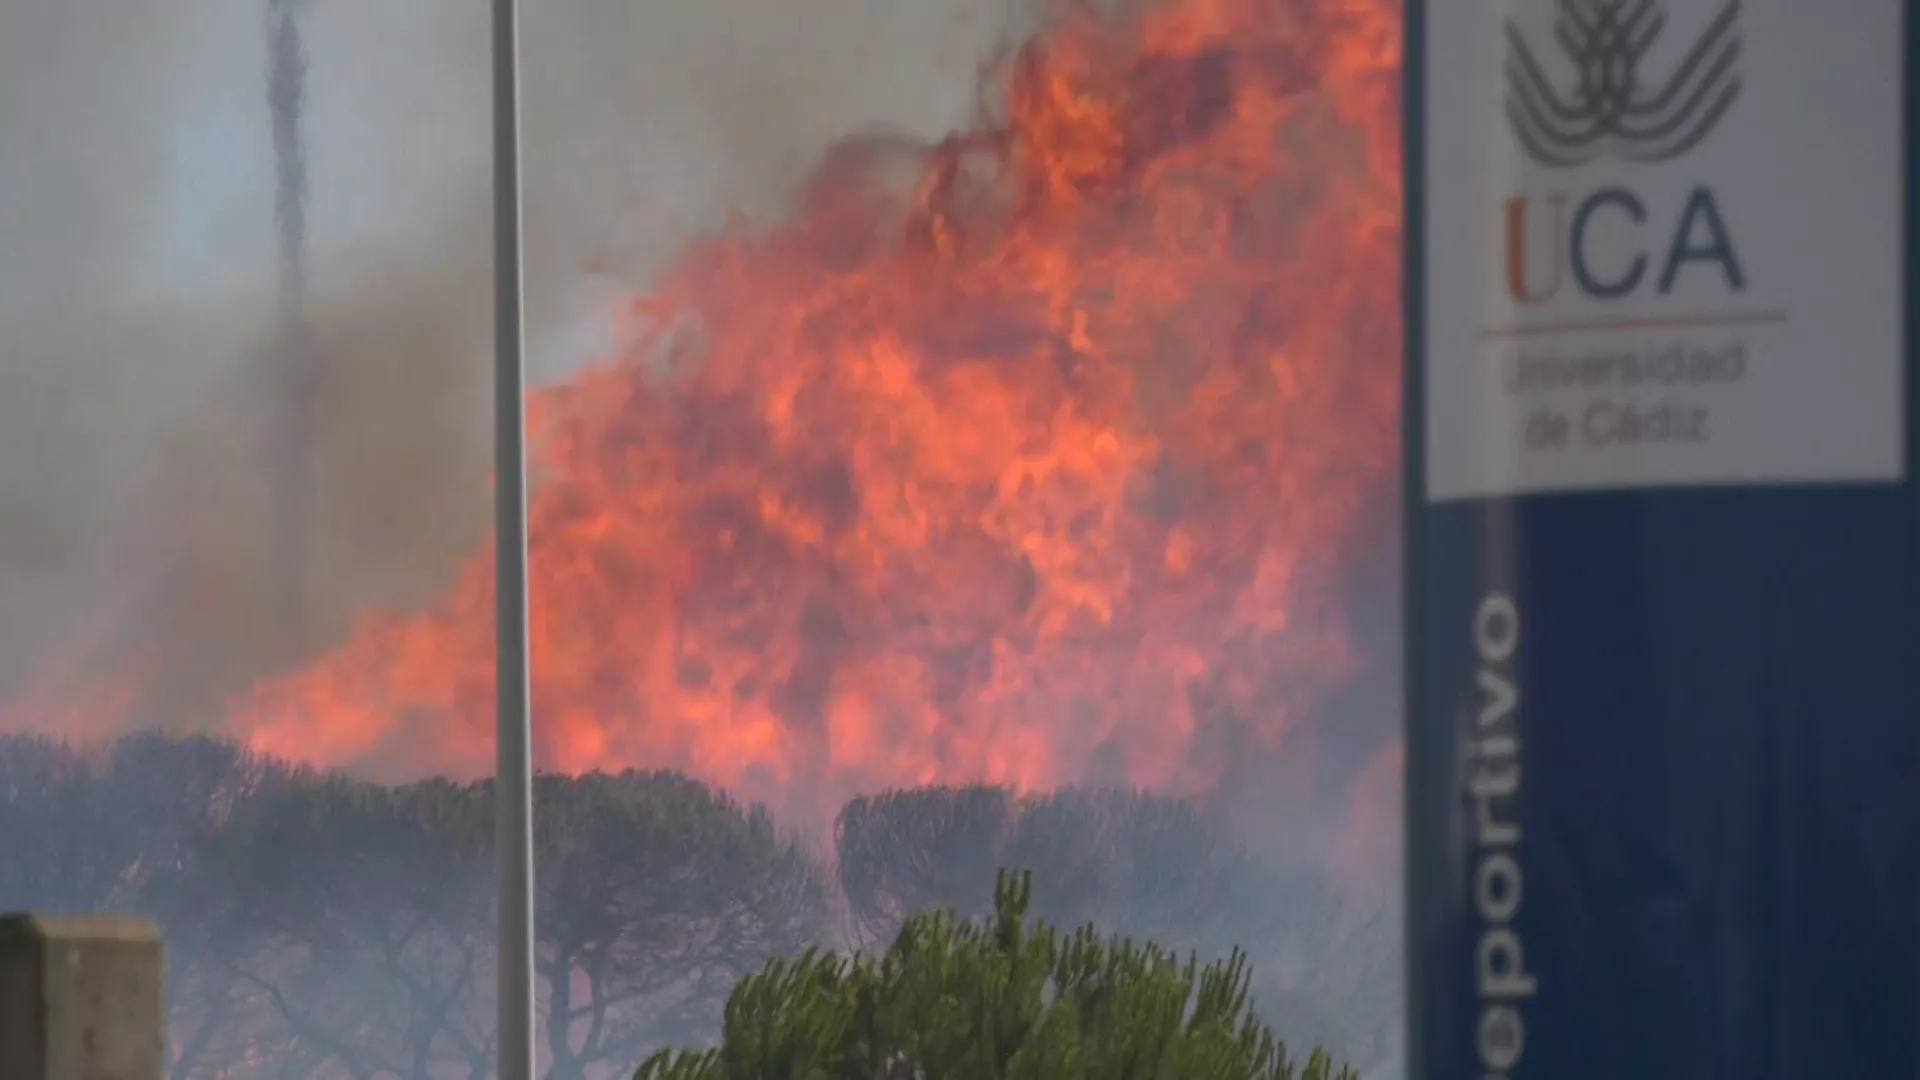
(137, 255)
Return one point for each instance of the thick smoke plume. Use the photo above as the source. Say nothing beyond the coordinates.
(286, 102)
(140, 328)
(139, 331)
(140, 325)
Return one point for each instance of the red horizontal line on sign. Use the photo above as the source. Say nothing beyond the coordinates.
(1697, 321)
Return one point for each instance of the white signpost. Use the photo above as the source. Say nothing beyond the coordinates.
(1663, 578)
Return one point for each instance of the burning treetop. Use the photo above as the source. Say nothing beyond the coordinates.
(1014, 472)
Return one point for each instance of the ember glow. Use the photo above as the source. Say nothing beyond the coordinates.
(1030, 457)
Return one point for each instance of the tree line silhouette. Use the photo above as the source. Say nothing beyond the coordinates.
(319, 925)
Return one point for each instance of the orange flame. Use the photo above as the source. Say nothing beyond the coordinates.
(1037, 469)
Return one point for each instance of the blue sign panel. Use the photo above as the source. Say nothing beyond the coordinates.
(1663, 597)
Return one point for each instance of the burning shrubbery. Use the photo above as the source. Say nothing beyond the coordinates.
(1036, 456)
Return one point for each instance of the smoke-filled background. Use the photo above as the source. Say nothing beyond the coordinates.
(138, 263)
(143, 354)
(137, 266)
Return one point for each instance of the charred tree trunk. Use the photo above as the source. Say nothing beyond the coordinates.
(564, 1063)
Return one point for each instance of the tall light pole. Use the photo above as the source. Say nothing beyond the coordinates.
(513, 781)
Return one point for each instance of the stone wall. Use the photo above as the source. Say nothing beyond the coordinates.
(80, 999)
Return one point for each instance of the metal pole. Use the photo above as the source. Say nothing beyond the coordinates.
(514, 777)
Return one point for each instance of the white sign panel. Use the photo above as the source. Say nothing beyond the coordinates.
(1663, 244)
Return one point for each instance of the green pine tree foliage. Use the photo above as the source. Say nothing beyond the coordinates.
(1003, 998)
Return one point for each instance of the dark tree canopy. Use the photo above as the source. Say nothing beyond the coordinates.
(45, 791)
(908, 851)
(322, 926)
(1132, 862)
(1136, 864)
(655, 893)
(87, 829)
(121, 827)
(366, 908)
(1002, 998)
(1126, 859)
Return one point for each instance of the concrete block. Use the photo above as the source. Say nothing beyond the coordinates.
(80, 999)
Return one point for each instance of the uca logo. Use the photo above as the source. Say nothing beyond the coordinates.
(1613, 109)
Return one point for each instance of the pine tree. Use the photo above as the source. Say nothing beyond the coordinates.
(1002, 998)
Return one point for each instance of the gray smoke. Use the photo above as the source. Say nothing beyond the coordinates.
(286, 98)
(141, 332)
(141, 337)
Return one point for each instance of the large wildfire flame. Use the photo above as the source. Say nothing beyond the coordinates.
(1032, 457)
